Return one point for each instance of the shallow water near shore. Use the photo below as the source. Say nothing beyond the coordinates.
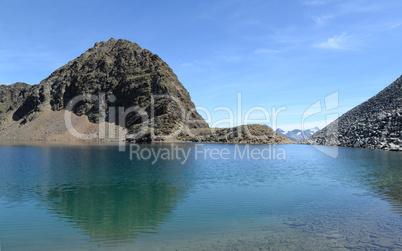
(222, 197)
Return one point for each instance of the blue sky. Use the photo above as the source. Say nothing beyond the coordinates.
(274, 53)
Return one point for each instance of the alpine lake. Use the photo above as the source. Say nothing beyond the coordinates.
(184, 196)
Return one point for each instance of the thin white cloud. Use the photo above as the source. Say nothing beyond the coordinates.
(334, 43)
(321, 21)
(316, 2)
(393, 26)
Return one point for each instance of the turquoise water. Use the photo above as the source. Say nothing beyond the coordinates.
(55, 197)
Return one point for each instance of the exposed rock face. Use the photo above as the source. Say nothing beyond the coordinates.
(375, 124)
(127, 75)
(125, 82)
(11, 97)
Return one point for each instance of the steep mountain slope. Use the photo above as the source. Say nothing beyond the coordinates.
(118, 85)
(374, 124)
(128, 76)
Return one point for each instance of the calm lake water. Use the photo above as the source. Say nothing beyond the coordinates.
(223, 197)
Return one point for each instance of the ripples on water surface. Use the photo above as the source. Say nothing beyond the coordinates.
(95, 197)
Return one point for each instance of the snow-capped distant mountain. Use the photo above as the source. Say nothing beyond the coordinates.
(280, 131)
(298, 134)
(314, 130)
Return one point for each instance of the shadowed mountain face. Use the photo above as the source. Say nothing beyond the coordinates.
(116, 82)
(11, 97)
(126, 74)
(374, 124)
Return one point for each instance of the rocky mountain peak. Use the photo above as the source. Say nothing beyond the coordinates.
(113, 43)
(117, 68)
(130, 81)
(19, 85)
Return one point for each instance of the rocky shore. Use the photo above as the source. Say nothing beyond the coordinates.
(374, 124)
(246, 134)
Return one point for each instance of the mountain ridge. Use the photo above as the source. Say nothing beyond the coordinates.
(297, 134)
(375, 123)
(111, 75)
